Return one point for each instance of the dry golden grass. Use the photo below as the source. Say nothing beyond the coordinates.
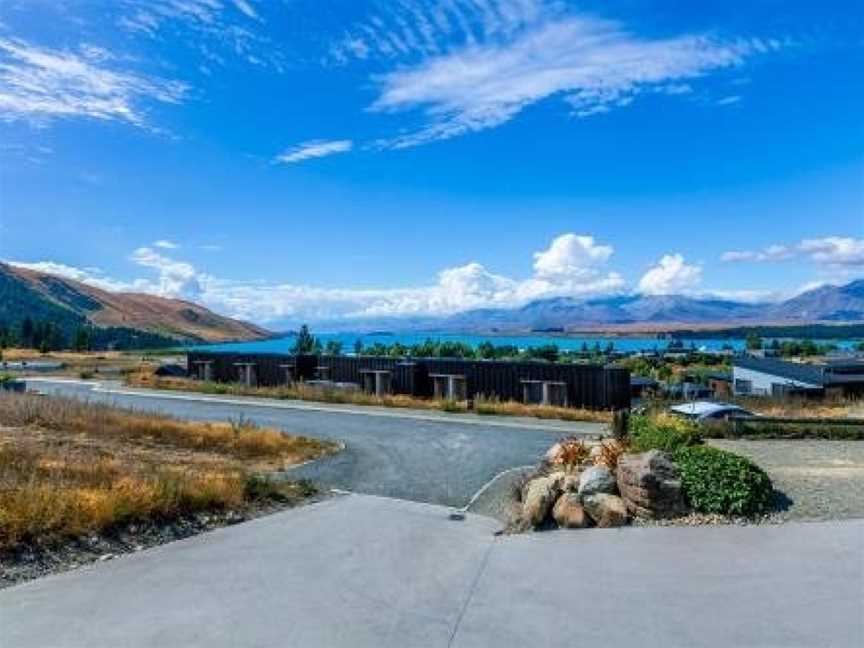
(801, 408)
(300, 391)
(68, 468)
(76, 363)
(571, 453)
(515, 408)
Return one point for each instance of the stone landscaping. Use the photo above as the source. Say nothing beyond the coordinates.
(659, 474)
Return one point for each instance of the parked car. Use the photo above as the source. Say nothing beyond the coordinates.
(709, 411)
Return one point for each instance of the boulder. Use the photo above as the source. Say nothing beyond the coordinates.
(596, 479)
(650, 485)
(569, 513)
(606, 510)
(538, 496)
(553, 453)
(595, 453)
(570, 483)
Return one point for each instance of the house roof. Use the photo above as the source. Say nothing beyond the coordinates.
(814, 374)
(698, 409)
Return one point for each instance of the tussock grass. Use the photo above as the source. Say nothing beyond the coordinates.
(301, 391)
(803, 408)
(240, 439)
(68, 468)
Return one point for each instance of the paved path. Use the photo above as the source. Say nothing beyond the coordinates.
(425, 457)
(368, 571)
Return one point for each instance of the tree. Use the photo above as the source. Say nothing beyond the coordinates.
(753, 341)
(305, 342)
(27, 332)
(333, 347)
(486, 350)
(82, 341)
(358, 347)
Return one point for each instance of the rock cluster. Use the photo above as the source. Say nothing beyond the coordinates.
(645, 486)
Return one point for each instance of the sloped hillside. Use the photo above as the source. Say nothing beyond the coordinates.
(69, 304)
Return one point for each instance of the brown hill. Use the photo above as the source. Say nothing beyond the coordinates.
(67, 303)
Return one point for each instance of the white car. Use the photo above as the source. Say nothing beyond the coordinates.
(708, 411)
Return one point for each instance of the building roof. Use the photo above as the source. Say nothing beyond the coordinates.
(700, 409)
(814, 374)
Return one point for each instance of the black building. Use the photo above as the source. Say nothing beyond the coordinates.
(573, 385)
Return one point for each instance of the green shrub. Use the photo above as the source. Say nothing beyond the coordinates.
(716, 481)
(661, 432)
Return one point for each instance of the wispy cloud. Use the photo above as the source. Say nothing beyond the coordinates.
(314, 149)
(828, 251)
(220, 29)
(503, 62)
(166, 245)
(41, 84)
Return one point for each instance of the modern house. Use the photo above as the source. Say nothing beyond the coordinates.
(772, 377)
(592, 386)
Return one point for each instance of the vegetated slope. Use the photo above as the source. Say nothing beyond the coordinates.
(69, 304)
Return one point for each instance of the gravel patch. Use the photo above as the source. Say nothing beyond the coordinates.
(816, 479)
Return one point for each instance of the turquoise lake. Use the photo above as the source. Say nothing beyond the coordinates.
(625, 344)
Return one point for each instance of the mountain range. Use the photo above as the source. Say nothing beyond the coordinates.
(826, 304)
(68, 304)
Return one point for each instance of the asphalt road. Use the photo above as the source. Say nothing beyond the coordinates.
(431, 458)
(366, 571)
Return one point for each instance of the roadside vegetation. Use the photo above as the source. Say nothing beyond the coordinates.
(323, 394)
(69, 468)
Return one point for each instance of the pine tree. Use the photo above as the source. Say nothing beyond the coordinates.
(305, 342)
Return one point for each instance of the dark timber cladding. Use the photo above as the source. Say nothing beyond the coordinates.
(589, 386)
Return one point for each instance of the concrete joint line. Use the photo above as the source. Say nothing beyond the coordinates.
(471, 591)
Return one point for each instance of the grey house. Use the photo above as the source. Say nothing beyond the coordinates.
(772, 377)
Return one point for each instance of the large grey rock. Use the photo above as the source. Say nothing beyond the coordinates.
(568, 512)
(596, 479)
(606, 510)
(650, 485)
(538, 496)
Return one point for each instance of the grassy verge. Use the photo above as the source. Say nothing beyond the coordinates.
(300, 391)
(69, 468)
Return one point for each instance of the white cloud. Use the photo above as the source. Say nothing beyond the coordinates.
(176, 278)
(246, 7)
(570, 255)
(90, 276)
(42, 84)
(828, 251)
(834, 250)
(594, 64)
(770, 253)
(570, 266)
(671, 275)
(166, 245)
(314, 149)
(728, 101)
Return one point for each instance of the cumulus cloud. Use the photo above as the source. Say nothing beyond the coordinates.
(670, 275)
(314, 149)
(176, 278)
(596, 65)
(572, 265)
(90, 276)
(43, 84)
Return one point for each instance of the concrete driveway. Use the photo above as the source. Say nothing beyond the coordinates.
(368, 571)
(429, 457)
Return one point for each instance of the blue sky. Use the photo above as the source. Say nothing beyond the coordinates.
(307, 159)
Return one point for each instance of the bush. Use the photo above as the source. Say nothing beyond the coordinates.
(716, 481)
(661, 432)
